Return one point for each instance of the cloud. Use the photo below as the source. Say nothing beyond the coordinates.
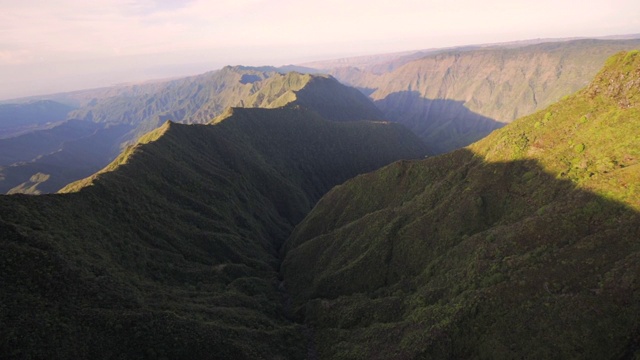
(70, 29)
(44, 32)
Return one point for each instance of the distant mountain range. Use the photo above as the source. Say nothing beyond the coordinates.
(46, 160)
(451, 98)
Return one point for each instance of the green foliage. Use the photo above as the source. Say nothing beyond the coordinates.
(454, 98)
(517, 247)
(114, 122)
(173, 250)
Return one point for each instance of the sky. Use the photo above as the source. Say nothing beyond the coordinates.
(52, 46)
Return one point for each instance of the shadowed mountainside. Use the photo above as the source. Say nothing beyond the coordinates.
(16, 119)
(524, 245)
(73, 159)
(172, 250)
(451, 124)
(197, 99)
(201, 98)
(499, 83)
(321, 93)
(29, 146)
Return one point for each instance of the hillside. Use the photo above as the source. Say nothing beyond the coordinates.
(196, 99)
(523, 245)
(53, 168)
(453, 98)
(172, 251)
(141, 109)
(320, 93)
(201, 98)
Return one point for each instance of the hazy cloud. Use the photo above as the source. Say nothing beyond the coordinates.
(249, 31)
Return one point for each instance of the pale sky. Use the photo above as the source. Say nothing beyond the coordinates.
(50, 46)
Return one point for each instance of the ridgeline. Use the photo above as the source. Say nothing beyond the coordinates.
(172, 251)
(523, 245)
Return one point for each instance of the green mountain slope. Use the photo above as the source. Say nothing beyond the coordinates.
(172, 250)
(453, 98)
(321, 93)
(196, 99)
(201, 98)
(524, 245)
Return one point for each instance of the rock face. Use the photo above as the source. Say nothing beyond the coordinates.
(524, 244)
(453, 98)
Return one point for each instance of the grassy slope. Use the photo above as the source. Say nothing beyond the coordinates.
(524, 245)
(500, 84)
(321, 93)
(172, 251)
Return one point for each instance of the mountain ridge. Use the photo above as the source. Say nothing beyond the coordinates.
(196, 99)
(172, 250)
(478, 90)
(523, 244)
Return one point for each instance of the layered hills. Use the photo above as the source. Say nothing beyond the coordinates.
(452, 98)
(172, 251)
(523, 245)
(40, 162)
(46, 160)
(200, 98)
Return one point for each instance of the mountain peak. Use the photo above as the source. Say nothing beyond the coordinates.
(320, 93)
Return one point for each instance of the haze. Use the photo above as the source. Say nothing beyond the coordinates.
(65, 45)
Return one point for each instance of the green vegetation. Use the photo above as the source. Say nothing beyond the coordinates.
(113, 122)
(222, 241)
(453, 98)
(172, 251)
(524, 245)
(320, 93)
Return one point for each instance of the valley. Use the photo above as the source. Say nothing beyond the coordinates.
(523, 244)
(473, 202)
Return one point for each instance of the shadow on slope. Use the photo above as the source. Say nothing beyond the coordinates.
(454, 257)
(37, 143)
(172, 251)
(22, 118)
(445, 125)
(88, 150)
